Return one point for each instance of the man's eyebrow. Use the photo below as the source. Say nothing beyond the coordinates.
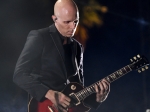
(71, 21)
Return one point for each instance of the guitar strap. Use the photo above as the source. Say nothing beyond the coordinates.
(78, 65)
(78, 73)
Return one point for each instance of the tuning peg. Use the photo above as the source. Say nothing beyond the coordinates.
(146, 67)
(138, 56)
(139, 71)
(143, 69)
(131, 60)
(134, 58)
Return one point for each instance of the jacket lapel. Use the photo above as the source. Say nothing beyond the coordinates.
(58, 43)
(78, 53)
(74, 53)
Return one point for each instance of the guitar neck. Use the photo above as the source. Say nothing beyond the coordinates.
(110, 78)
(119, 73)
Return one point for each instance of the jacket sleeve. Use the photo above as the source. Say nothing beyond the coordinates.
(22, 75)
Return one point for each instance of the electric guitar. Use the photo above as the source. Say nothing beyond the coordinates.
(78, 93)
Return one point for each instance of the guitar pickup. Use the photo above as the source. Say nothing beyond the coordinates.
(75, 99)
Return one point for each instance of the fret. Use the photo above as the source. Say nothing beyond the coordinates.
(125, 69)
(97, 83)
(120, 72)
(85, 92)
(112, 76)
(117, 75)
(92, 88)
(129, 68)
(89, 90)
(81, 95)
(107, 79)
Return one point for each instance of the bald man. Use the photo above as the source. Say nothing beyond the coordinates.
(52, 58)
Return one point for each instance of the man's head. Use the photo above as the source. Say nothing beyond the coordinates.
(66, 17)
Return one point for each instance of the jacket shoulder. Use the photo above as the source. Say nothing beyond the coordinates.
(43, 30)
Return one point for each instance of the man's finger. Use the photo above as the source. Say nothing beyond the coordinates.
(106, 82)
(101, 88)
(96, 88)
(62, 109)
(67, 99)
(106, 85)
(64, 105)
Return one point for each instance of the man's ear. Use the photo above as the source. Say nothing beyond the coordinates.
(54, 18)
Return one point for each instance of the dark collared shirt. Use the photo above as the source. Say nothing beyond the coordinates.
(68, 51)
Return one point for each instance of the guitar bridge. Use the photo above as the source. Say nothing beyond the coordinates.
(75, 99)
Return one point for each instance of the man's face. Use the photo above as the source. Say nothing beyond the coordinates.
(66, 23)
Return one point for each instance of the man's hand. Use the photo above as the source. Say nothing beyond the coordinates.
(102, 90)
(60, 101)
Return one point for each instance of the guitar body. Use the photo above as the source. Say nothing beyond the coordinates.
(48, 106)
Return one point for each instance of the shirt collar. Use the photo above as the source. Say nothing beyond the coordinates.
(69, 39)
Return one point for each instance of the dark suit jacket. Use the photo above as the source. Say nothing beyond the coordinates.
(41, 66)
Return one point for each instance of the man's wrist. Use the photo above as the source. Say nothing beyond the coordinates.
(49, 94)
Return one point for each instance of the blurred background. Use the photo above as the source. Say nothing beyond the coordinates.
(112, 32)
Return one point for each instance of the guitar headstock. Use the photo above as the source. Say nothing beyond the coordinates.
(139, 63)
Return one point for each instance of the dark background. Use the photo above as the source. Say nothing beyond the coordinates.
(124, 34)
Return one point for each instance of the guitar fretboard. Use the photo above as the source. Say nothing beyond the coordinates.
(112, 77)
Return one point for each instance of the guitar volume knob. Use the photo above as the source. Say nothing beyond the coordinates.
(73, 87)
